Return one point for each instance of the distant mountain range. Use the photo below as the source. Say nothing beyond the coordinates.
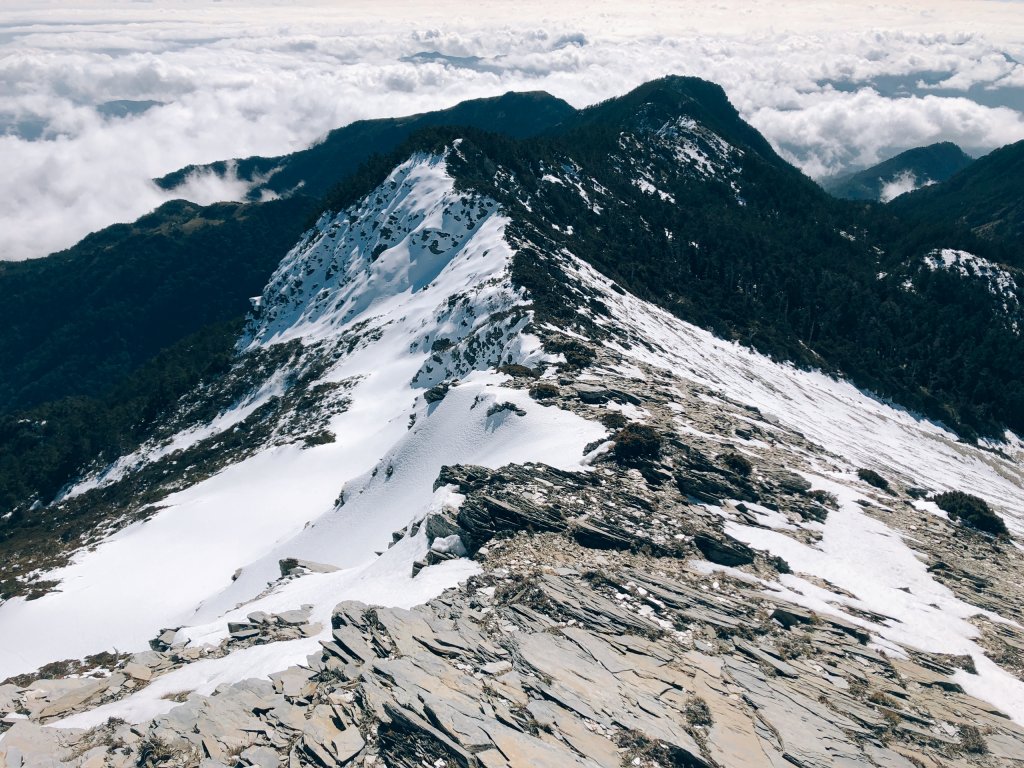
(315, 171)
(757, 252)
(987, 197)
(907, 171)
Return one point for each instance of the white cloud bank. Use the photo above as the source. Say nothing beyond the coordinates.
(900, 185)
(244, 77)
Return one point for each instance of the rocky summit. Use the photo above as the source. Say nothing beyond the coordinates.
(539, 450)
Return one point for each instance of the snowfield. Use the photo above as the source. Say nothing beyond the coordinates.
(853, 424)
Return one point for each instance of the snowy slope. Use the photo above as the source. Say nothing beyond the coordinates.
(856, 553)
(864, 430)
(373, 290)
(411, 287)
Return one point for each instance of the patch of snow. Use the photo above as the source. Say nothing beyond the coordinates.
(699, 147)
(649, 189)
(386, 580)
(865, 557)
(831, 412)
(999, 281)
(153, 574)
(630, 411)
(456, 430)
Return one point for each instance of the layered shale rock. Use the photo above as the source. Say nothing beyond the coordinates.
(559, 655)
(615, 621)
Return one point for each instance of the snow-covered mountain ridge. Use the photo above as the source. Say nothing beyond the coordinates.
(388, 324)
(635, 541)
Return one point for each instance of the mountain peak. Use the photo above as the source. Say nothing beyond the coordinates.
(670, 94)
(695, 88)
(905, 172)
(655, 103)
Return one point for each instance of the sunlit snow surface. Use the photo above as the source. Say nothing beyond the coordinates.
(413, 263)
(176, 569)
(152, 452)
(387, 581)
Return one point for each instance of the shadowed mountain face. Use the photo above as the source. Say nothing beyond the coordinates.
(907, 171)
(77, 322)
(313, 172)
(666, 190)
(987, 197)
(125, 107)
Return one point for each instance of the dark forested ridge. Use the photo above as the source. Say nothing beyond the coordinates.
(76, 323)
(104, 337)
(42, 447)
(987, 197)
(934, 163)
(665, 190)
(318, 169)
(779, 264)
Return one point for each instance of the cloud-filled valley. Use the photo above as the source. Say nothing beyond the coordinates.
(95, 104)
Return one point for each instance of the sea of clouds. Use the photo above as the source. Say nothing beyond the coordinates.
(98, 98)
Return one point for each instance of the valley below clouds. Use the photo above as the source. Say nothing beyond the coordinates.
(97, 99)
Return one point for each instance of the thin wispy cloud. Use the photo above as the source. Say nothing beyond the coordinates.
(96, 99)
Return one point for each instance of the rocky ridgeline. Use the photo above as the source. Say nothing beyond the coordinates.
(78, 687)
(593, 637)
(75, 687)
(559, 655)
(601, 631)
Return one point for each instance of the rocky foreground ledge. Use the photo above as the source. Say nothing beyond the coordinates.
(614, 622)
(585, 641)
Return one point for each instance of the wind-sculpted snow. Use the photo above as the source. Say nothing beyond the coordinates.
(354, 266)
